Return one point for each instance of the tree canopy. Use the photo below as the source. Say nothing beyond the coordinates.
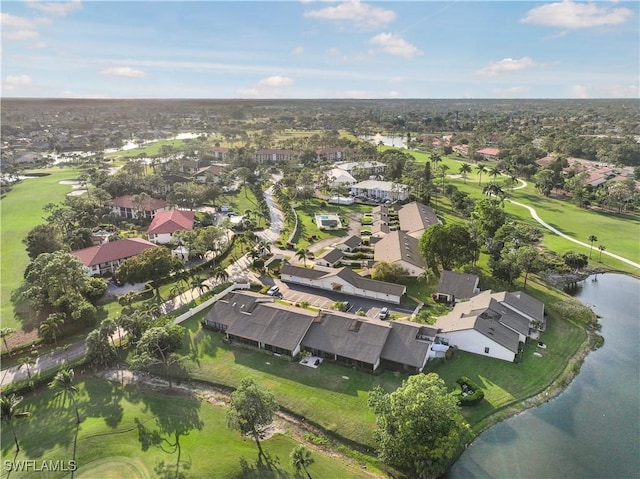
(420, 428)
(449, 246)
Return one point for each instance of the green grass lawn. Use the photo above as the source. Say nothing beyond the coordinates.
(243, 200)
(313, 393)
(21, 210)
(133, 432)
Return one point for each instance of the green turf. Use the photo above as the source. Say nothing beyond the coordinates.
(148, 151)
(132, 432)
(313, 393)
(21, 210)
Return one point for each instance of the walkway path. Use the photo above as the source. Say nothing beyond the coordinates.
(535, 216)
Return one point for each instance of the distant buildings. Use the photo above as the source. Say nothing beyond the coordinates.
(381, 190)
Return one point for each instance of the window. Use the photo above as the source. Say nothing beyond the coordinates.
(486, 350)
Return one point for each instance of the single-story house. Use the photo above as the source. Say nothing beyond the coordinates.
(456, 286)
(347, 339)
(334, 153)
(363, 169)
(330, 259)
(218, 152)
(415, 218)
(492, 325)
(349, 244)
(342, 280)
(106, 257)
(166, 223)
(381, 190)
(127, 208)
(255, 319)
(397, 247)
(489, 153)
(338, 177)
(408, 346)
(210, 174)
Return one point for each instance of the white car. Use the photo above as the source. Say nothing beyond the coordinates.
(273, 290)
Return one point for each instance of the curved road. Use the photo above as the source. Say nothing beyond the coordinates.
(535, 216)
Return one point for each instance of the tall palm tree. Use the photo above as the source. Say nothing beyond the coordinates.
(63, 383)
(465, 169)
(302, 254)
(27, 362)
(301, 459)
(4, 334)
(495, 171)
(9, 411)
(592, 239)
(601, 248)
(50, 327)
(480, 168)
(220, 274)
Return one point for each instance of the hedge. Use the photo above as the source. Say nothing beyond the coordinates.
(471, 399)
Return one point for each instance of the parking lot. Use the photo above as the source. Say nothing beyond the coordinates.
(324, 299)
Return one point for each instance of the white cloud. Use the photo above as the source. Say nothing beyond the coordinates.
(512, 92)
(275, 82)
(8, 20)
(579, 91)
(394, 44)
(21, 35)
(397, 79)
(123, 72)
(297, 51)
(365, 94)
(355, 13)
(333, 52)
(507, 65)
(270, 87)
(18, 80)
(41, 45)
(568, 14)
(57, 9)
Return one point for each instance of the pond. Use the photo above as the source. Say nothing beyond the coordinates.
(592, 430)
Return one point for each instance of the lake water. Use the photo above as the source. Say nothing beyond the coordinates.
(592, 430)
(396, 141)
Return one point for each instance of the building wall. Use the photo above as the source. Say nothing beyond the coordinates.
(346, 288)
(472, 341)
(162, 238)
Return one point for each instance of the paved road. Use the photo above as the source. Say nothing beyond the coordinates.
(534, 215)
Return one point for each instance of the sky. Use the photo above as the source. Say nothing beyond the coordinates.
(320, 49)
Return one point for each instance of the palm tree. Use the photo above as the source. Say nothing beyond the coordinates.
(4, 334)
(465, 168)
(200, 284)
(63, 383)
(480, 168)
(592, 239)
(8, 410)
(50, 327)
(302, 254)
(495, 171)
(301, 459)
(601, 248)
(220, 274)
(27, 362)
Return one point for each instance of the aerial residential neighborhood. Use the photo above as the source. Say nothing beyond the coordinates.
(345, 239)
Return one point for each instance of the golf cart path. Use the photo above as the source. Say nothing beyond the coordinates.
(535, 216)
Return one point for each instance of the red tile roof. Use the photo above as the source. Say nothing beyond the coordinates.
(171, 221)
(489, 151)
(125, 202)
(113, 251)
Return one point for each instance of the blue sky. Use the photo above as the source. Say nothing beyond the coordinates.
(320, 49)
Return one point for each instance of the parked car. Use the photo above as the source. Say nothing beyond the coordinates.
(384, 313)
(273, 291)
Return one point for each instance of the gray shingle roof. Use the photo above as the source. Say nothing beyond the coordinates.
(347, 335)
(416, 217)
(460, 285)
(397, 246)
(403, 347)
(352, 242)
(332, 256)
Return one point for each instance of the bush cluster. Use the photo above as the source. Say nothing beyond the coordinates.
(471, 399)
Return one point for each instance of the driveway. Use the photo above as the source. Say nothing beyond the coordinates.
(324, 299)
